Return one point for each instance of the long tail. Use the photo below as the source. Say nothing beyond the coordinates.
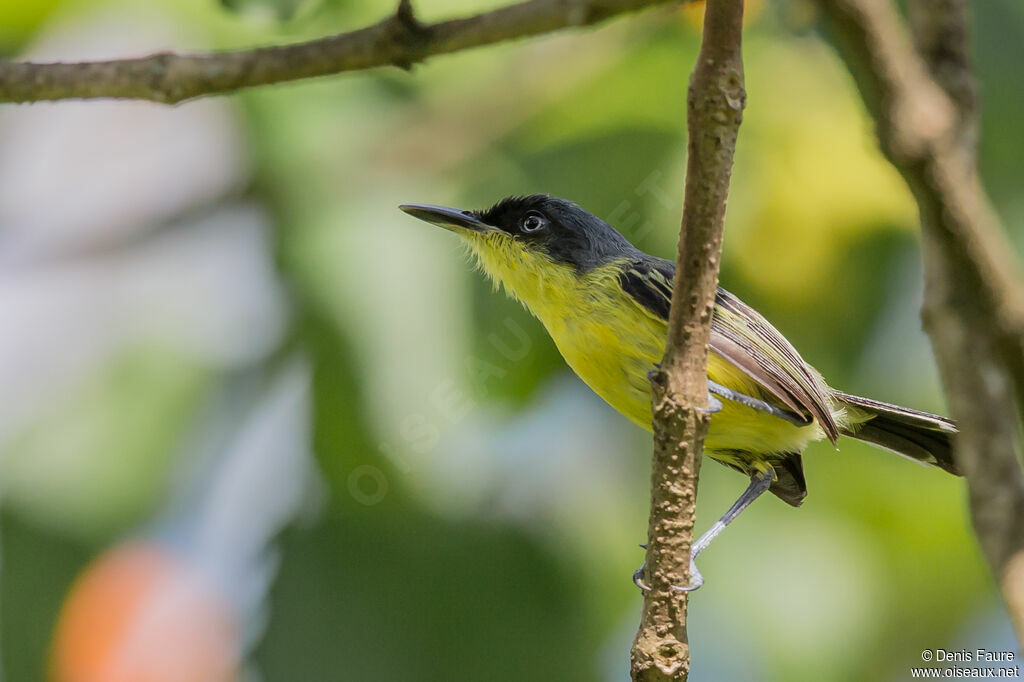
(917, 435)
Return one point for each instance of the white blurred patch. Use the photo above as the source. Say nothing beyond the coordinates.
(74, 174)
(562, 461)
(120, 234)
(207, 291)
(770, 571)
(260, 478)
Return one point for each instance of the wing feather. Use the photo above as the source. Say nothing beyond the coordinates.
(744, 338)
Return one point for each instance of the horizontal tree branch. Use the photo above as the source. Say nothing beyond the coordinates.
(399, 40)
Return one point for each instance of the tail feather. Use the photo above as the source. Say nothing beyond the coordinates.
(918, 435)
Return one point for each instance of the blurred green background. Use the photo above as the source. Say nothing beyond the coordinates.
(475, 510)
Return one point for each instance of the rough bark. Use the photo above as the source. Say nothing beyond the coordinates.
(924, 103)
(715, 107)
(399, 40)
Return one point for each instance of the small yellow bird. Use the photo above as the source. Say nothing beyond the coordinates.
(605, 304)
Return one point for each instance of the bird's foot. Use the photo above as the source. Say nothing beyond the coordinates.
(714, 405)
(638, 575)
(696, 578)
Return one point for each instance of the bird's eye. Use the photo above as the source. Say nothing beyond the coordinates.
(534, 222)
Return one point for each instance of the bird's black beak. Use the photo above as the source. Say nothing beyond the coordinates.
(449, 218)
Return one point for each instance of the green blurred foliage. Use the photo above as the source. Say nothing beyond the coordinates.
(142, 402)
(419, 588)
(38, 572)
(393, 581)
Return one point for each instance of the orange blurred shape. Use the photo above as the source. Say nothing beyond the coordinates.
(140, 614)
(693, 12)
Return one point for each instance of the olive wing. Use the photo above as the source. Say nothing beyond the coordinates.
(744, 338)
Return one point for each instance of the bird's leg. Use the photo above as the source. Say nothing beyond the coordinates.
(754, 403)
(759, 483)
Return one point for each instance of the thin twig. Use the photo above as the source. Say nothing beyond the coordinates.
(974, 299)
(715, 108)
(399, 40)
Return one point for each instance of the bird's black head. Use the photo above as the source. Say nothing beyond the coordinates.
(558, 228)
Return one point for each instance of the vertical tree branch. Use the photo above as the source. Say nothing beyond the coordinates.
(714, 111)
(974, 301)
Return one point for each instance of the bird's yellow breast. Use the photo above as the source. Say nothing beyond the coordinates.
(611, 343)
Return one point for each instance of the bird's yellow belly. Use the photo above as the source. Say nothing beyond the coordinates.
(615, 365)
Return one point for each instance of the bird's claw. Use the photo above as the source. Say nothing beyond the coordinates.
(638, 575)
(638, 578)
(714, 405)
(696, 580)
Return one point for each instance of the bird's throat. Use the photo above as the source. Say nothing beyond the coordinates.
(526, 275)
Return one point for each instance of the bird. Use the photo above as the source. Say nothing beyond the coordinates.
(605, 304)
